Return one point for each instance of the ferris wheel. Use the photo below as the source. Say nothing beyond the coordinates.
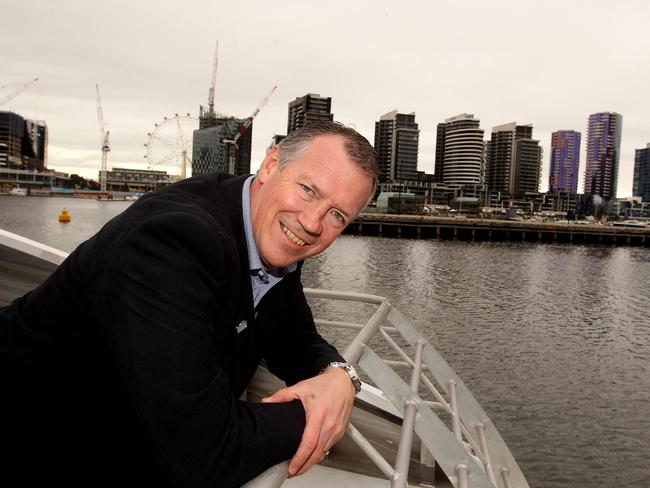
(170, 143)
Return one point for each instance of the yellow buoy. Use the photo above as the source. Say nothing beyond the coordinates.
(64, 216)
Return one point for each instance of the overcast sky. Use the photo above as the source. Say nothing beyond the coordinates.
(548, 63)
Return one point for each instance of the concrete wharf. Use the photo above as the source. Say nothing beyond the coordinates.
(477, 229)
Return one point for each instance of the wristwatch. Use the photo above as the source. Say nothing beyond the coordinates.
(349, 370)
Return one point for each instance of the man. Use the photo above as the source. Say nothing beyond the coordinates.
(125, 366)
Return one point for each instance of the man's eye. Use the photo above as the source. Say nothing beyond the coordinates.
(307, 190)
(338, 216)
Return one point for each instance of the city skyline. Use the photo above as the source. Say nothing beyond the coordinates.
(503, 70)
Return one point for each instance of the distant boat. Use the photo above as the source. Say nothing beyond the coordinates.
(19, 192)
(630, 223)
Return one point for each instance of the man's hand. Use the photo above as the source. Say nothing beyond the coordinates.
(327, 399)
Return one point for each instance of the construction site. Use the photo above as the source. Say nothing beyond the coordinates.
(179, 146)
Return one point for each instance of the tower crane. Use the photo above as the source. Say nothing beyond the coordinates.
(214, 82)
(232, 143)
(103, 137)
(17, 92)
(208, 117)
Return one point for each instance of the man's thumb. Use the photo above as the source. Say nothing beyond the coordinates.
(279, 396)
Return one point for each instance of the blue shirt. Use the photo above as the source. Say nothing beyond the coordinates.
(261, 280)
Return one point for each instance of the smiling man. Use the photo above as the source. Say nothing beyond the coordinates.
(310, 200)
(125, 366)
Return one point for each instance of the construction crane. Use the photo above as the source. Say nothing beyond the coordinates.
(232, 143)
(214, 82)
(208, 117)
(17, 92)
(103, 137)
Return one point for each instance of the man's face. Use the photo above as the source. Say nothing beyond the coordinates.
(298, 210)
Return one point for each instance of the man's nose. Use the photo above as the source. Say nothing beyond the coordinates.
(311, 219)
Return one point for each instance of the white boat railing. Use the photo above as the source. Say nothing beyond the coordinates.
(468, 448)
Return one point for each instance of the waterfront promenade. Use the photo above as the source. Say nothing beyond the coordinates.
(477, 229)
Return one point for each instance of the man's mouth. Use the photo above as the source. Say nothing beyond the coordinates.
(292, 237)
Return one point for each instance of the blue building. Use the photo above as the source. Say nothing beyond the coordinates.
(603, 151)
(565, 158)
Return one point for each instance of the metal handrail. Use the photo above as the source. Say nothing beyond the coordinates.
(470, 451)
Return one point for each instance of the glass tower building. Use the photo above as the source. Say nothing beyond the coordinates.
(23, 142)
(603, 150)
(308, 109)
(641, 182)
(513, 160)
(396, 141)
(565, 158)
(210, 154)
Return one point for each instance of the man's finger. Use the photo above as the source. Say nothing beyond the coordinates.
(280, 396)
(308, 445)
(316, 457)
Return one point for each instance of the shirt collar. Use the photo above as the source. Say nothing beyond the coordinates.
(254, 260)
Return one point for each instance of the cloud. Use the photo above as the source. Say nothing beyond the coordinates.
(503, 61)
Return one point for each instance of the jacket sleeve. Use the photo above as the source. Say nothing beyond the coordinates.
(297, 351)
(164, 301)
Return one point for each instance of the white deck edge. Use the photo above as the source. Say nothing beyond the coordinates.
(33, 248)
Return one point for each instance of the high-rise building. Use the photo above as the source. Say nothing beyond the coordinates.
(37, 132)
(310, 108)
(641, 182)
(211, 151)
(459, 151)
(603, 148)
(396, 142)
(565, 157)
(438, 169)
(23, 142)
(513, 159)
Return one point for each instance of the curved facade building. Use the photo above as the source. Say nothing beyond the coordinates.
(463, 151)
(603, 149)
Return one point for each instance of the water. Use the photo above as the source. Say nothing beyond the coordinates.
(38, 218)
(553, 340)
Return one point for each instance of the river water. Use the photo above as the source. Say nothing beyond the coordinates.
(553, 340)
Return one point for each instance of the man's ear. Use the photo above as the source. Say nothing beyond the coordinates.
(270, 164)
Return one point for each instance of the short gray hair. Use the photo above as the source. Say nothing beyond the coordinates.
(356, 146)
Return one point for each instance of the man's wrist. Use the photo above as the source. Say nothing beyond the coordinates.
(354, 377)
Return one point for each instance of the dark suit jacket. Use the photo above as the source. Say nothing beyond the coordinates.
(125, 365)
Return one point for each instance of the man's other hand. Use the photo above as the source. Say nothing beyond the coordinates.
(327, 399)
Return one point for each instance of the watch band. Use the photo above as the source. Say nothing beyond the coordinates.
(354, 377)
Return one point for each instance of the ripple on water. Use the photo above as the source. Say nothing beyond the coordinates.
(552, 339)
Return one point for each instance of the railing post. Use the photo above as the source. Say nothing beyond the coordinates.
(486, 452)
(403, 456)
(354, 350)
(455, 419)
(462, 475)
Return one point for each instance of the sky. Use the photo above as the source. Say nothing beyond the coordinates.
(549, 64)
